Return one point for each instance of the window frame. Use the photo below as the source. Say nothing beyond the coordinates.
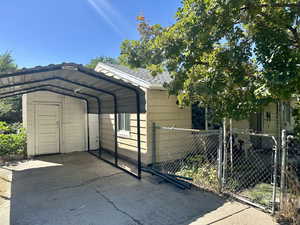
(124, 124)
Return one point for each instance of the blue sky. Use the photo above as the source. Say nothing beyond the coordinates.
(41, 32)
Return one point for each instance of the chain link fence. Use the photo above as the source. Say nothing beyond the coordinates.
(260, 169)
(238, 162)
(188, 153)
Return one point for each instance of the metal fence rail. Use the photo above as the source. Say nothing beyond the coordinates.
(245, 165)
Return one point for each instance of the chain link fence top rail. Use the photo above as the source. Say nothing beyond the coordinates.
(188, 153)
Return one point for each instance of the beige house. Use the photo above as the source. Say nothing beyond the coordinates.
(58, 124)
(269, 120)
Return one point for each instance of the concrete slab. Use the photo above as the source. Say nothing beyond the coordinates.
(79, 189)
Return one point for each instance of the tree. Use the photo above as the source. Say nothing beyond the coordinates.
(7, 63)
(93, 63)
(137, 53)
(232, 56)
(10, 108)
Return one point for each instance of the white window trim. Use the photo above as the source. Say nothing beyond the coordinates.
(123, 133)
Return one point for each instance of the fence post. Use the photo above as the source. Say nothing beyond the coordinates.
(220, 158)
(153, 145)
(274, 176)
(225, 152)
(231, 144)
(283, 166)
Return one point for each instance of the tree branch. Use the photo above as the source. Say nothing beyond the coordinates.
(275, 5)
(296, 36)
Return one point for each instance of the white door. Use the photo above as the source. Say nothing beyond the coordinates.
(47, 129)
(94, 131)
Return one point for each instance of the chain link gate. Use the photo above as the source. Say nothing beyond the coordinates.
(250, 168)
(237, 162)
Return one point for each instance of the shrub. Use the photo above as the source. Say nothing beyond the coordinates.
(204, 175)
(12, 143)
(4, 128)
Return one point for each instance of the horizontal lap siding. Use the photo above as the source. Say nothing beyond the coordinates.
(241, 124)
(163, 110)
(127, 146)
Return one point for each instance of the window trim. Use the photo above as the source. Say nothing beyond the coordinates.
(123, 132)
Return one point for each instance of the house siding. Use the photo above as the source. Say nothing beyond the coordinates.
(270, 125)
(73, 120)
(127, 146)
(163, 111)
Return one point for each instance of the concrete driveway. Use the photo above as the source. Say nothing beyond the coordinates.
(79, 189)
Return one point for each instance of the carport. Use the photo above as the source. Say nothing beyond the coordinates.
(102, 94)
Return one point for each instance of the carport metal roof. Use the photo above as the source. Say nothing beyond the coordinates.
(112, 92)
(102, 93)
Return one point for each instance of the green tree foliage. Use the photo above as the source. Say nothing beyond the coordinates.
(232, 56)
(7, 63)
(10, 108)
(93, 63)
(137, 53)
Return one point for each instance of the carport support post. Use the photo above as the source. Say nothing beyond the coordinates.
(139, 134)
(153, 145)
(88, 125)
(116, 130)
(99, 128)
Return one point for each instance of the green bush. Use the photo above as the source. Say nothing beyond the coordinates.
(12, 143)
(4, 128)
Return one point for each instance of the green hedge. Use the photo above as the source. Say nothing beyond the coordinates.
(12, 140)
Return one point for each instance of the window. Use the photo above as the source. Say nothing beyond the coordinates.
(199, 120)
(124, 122)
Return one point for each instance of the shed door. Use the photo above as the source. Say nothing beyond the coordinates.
(47, 129)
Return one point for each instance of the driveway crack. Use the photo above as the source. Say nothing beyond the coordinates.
(117, 208)
(87, 182)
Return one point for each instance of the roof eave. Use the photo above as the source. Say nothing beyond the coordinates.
(128, 77)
